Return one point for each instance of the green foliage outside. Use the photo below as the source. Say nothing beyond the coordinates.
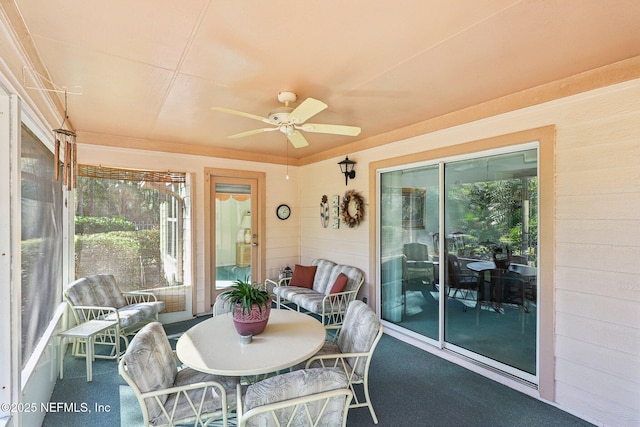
(133, 257)
(92, 225)
(489, 215)
(117, 232)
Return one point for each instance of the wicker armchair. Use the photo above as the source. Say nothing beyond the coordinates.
(352, 350)
(168, 395)
(313, 397)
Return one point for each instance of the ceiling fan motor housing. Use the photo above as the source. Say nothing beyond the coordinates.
(280, 115)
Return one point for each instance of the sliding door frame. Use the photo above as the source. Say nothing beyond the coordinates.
(545, 136)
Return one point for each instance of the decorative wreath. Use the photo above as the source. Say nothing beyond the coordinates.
(352, 196)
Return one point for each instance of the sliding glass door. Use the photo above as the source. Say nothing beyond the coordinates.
(409, 220)
(458, 255)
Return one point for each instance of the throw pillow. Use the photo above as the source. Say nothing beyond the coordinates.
(339, 284)
(303, 276)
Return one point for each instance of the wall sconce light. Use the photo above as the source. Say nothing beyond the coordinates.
(346, 167)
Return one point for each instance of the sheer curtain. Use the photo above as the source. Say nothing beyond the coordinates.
(41, 216)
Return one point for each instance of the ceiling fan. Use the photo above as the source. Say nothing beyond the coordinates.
(290, 121)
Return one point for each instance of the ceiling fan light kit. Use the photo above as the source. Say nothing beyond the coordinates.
(290, 121)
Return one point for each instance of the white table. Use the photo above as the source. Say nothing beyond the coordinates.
(86, 331)
(213, 346)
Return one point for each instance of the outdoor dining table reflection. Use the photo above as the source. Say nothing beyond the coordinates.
(521, 269)
(515, 284)
(213, 346)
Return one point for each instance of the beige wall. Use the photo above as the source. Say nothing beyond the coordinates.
(597, 286)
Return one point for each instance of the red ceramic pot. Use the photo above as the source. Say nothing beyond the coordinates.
(254, 321)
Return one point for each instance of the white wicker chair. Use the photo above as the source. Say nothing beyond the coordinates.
(352, 350)
(98, 297)
(221, 306)
(167, 395)
(312, 397)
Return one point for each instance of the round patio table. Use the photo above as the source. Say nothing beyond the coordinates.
(214, 346)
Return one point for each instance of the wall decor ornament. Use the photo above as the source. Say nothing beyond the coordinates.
(352, 199)
(413, 207)
(324, 211)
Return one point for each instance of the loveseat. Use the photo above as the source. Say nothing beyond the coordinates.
(98, 297)
(324, 288)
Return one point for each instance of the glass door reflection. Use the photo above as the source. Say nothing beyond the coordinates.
(491, 252)
(458, 256)
(234, 231)
(409, 259)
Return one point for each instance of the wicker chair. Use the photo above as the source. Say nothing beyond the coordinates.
(352, 350)
(98, 297)
(311, 397)
(168, 395)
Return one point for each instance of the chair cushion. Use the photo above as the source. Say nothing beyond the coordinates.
(212, 403)
(323, 279)
(134, 313)
(305, 298)
(358, 332)
(150, 363)
(97, 290)
(303, 276)
(297, 384)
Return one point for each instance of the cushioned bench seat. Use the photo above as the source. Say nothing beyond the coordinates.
(319, 293)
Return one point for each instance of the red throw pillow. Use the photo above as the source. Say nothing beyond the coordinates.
(303, 276)
(339, 284)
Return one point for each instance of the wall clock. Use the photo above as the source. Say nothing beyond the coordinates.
(283, 211)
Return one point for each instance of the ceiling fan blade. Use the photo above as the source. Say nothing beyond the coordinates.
(334, 129)
(309, 108)
(251, 132)
(297, 140)
(242, 114)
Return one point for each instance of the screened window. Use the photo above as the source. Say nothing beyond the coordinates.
(130, 223)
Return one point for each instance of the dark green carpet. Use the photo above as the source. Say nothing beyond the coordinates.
(409, 387)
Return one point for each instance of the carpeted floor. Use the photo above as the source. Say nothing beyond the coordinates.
(409, 387)
(508, 337)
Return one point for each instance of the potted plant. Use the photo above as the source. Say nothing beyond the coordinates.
(250, 305)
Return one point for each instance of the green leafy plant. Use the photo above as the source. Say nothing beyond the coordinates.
(246, 295)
